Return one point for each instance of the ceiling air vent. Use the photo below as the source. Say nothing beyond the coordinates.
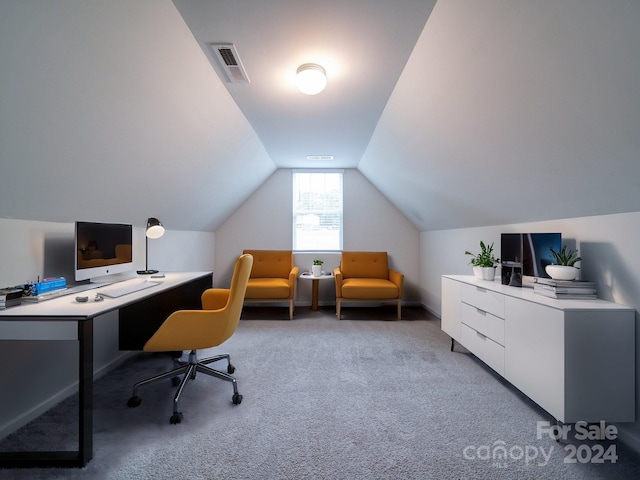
(227, 55)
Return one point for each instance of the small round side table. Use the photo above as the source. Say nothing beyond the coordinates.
(315, 281)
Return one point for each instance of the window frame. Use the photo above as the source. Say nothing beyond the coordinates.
(295, 211)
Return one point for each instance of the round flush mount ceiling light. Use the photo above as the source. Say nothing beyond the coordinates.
(311, 78)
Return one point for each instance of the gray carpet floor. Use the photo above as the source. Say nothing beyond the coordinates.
(362, 398)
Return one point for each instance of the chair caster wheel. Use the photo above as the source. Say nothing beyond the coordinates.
(134, 402)
(231, 369)
(236, 399)
(175, 418)
(175, 381)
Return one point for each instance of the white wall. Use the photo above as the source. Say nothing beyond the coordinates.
(44, 373)
(180, 251)
(608, 245)
(35, 249)
(371, 222)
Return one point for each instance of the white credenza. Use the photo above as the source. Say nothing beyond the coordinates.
(574, 358)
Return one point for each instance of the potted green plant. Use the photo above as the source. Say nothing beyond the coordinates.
(316, 269)
(484, 263)
(564, 267)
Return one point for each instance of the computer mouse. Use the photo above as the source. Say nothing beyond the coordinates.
(82, 299)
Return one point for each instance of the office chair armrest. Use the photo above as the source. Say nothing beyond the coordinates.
(215, 298)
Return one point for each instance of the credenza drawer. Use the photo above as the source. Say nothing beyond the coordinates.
(484, 348)
(486, 300)
(487, 324)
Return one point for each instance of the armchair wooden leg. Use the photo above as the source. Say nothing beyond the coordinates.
(399, 310)
(291, 309)
(338, 307)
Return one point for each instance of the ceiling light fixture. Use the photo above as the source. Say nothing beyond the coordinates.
(311, 78)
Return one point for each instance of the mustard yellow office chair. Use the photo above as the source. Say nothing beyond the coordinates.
(198, 329)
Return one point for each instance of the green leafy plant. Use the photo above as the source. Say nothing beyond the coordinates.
(564, 257)
(485, 258)
(318, 262)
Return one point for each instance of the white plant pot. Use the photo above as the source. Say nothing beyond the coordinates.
(485, 273)
(316, 270)
(477, 272)
(561, 272)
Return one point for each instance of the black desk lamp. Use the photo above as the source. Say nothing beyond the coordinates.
(154, 230)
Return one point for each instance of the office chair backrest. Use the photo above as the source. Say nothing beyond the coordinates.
(198, 329)
(238, 288)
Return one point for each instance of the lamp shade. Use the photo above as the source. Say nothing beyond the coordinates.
(311, 78)
(154, 228)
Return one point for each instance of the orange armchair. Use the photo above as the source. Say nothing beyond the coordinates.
(273, 277)
(367, 276)
(198, 329)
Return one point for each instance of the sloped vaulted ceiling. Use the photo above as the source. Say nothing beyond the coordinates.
(514, 111)
(363, 45)
(463, 114)
(110, 111)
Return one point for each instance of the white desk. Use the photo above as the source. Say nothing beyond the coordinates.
(63, 318)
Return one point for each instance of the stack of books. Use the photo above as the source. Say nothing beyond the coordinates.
(10, 297)
(564, 288)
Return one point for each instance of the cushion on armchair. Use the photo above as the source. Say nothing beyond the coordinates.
(364, 265)
(271, 263)
(274, 288)
(368, 288)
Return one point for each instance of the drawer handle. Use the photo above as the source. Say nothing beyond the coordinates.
(481, 289)
(481, 312)
(483, 337)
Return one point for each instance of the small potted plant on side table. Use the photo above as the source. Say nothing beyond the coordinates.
(484, 263)
(564, 268)
(316, 269)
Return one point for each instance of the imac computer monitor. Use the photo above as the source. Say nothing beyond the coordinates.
(102, 249)
(524, 256)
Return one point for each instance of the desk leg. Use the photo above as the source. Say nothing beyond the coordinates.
(85, 404)
(314, 294)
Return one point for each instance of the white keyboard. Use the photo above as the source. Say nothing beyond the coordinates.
(83, 288)
(126, 287)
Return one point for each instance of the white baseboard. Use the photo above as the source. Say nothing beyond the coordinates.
(37, 410)
(431, 310)
(353, 303)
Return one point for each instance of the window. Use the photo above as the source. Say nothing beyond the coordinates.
(317, 210)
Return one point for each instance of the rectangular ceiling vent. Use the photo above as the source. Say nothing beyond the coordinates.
(230, 63)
